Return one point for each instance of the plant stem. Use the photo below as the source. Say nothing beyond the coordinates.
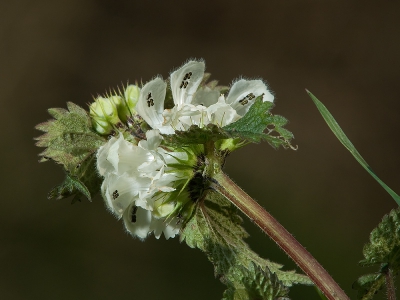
(226, 187)
(390, 289)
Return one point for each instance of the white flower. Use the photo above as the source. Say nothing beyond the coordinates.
(139, 222)
(194, 105)
(134, 176)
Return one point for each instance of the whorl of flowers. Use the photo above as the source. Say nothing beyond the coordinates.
(151, 186)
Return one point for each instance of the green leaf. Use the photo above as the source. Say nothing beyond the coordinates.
(334, 126)
(368, 285)
(255, 120)
(252, 125)
(257, 284)
(195, 135)
(383, 249)
(384, 244)
(70, 141)
(81, 181)
(215, 228)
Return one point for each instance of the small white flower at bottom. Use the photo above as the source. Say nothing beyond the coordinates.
(135, 178)
(140, 222)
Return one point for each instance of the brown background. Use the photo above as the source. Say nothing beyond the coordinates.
(51, 52)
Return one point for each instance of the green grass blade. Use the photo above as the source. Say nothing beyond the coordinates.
(334, 126)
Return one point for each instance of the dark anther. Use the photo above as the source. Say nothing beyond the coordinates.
(133, 214)
(115, 194)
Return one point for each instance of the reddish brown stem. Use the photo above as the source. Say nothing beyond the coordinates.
(225, 186)
(390, 288)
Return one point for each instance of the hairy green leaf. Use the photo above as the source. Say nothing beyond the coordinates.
(81, 181)
(258, 119)
(341, 136)
(256, 284)
(215, 228)
(195, 135)
(368, 285)
(69, 138)
(255, 120)
(383, 249)
(70, 141)
(384, 244)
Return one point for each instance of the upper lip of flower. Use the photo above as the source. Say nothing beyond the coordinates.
(185, 81)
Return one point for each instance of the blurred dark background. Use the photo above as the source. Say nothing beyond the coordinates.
(51, 52)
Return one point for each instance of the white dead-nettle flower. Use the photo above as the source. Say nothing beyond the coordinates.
(135, 178)
(194, 105)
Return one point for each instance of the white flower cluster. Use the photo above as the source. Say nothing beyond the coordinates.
(133, 175)
(138, 178)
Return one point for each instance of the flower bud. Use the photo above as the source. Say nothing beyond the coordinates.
(127, 106)
(104, 114)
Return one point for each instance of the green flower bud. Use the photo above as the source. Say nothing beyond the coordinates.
(104, 114)
(127, 105)
(132, 93)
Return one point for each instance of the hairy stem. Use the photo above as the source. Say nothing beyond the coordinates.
(390, 288)
(225, 186)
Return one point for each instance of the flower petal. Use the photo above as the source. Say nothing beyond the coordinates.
(121, 191)
(222, 113)
(206, 97)
(151, 102)
(243, 93)
(185, 81)
(137, 221)
(103, 165)
(170, 228)
(154, 140)
(126, 157)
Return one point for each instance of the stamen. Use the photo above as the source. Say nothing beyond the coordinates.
(133, 214)
(185, 80)
(112, 134)
(150, 101)
(129, 122)
(115, 195)
(246, 99)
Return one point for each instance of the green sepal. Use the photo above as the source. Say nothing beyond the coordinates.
(215, 228)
